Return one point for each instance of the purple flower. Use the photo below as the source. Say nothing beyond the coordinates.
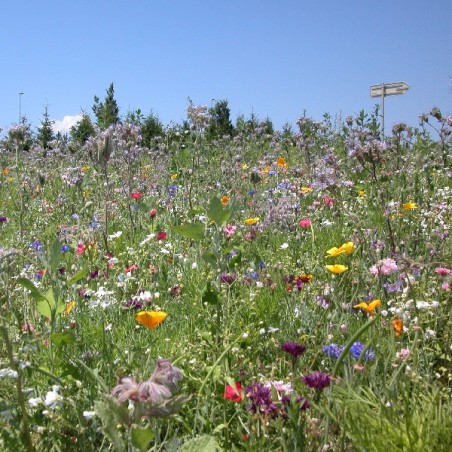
(3, 219)
(317, 380)
(357, 348)
(261, 399)
(293, 349)
(333, 350)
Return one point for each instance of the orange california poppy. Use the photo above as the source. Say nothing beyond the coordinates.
(151, 319)
(369, 308)
(397, 325)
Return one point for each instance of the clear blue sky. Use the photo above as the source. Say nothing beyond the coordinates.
(275, 58)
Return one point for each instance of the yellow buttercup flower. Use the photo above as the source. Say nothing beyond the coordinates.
(252, 221)
(346, 248)
(361, 193)
(369, 308)
(245, 166)
(306, 189)
(409, 206)
(336, 268)
(225, 200)
(174, 176)
(266, 169)
(151, 319)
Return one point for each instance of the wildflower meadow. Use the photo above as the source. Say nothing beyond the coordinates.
(206, 286)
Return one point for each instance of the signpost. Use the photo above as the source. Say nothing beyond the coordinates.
(387, 89)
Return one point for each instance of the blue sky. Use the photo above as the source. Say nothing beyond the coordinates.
(273, 58)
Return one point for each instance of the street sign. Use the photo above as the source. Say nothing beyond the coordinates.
(389, 89)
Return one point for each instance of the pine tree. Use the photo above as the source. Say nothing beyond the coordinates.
(45, 133)
(220, 123)
(82, 130)
(107, 112)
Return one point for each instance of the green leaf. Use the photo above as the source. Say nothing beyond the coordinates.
(78, 276)
(210, 258)
(44, 308)
(204, 443)
(217, 213)
(210, 295)
(62, 339)
(55, 256)
(36, 295)
(141, 437)
(194, 231)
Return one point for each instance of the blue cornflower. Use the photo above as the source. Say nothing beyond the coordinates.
(261, 264)
(333, 350)
(252, 192)
(37, 245)
(94, 224)
(357, 348)
(65, 248)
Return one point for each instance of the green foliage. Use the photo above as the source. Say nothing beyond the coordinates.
(82, 130)
(106, 112)
(45, 133)
(220, 123)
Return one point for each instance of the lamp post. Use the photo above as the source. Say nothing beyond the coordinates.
(20, 106)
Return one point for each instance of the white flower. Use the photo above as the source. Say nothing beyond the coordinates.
(8, 373)
(284, 246)
(194, 266)
(115, 235)
(34, 402)
(430, 334)
(89, 415)
(53, 398)
(273, 330)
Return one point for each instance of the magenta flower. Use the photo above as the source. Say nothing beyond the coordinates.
(317, 380)
(443, 271)
(229, 231)
(293, 349)
(305, 223)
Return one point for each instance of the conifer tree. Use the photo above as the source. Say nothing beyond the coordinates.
(45, 133)
(107, 112)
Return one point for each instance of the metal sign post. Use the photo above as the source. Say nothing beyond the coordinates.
(387, 89)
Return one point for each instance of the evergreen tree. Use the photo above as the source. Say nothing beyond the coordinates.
(107, 112)
(82, 130)
(151, 127)
(45, 133)
(220, 123)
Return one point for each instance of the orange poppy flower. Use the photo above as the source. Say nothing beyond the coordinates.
(369, 308)
(397, 325)
(151, 319)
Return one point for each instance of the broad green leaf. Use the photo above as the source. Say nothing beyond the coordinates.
(55, 256)
(217, 213)
(43, 307)
(36, 295)
(205, 443)
(78, 276)
(210, 258)
(62, 339)
(141, 437)
(194, 231)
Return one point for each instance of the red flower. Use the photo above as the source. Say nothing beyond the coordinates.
(153, 213)
(161, 235)
(131, 268)
(80, 249)
(136, 195)
(234, 394)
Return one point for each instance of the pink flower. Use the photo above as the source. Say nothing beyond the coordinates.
(229, 231)
(80, 249)
(305, 223)
(384, 267)
(136, 195)
(328, 201)
(443, 271)
(445, 286)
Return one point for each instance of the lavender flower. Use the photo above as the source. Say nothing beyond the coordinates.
(261, 400)
(317, 380)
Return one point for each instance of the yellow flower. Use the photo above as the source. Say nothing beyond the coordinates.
(225, 200)
(85, 193)
(336, 268)
(361, 193)
(252, 221)
(245, 166)
(68, 308)
(346, 248)
(151, 319)
(409, 206)
(266, 169)
(369, 308)
(174, 176)
(306, 189)
(85, 168)
(282, 162)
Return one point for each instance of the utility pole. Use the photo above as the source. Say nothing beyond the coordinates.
(20, 107)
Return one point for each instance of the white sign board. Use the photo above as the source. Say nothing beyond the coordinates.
(389, 89)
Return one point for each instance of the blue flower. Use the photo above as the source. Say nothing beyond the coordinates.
(333, 350)
(65, 248)
(37, 245)
(357, 348)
